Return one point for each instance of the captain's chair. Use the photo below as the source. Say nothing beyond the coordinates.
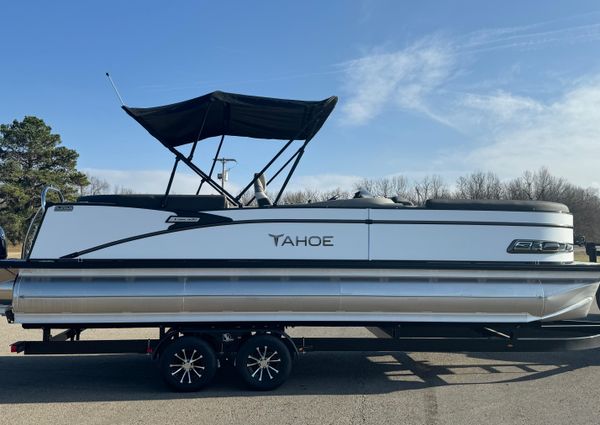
(260, 186)
(362, 193)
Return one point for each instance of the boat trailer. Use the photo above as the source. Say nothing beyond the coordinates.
(266, 349)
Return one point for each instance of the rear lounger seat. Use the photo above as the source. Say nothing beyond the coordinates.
(495, 205)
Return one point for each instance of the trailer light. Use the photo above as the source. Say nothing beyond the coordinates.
(528, 246)
(13, 348)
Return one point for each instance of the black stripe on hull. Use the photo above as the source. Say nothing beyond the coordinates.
(292, 264)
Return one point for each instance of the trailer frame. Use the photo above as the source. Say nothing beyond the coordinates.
(415, 337)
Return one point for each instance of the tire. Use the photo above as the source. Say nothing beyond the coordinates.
(188, 364)
(598, 297)
(264, 362)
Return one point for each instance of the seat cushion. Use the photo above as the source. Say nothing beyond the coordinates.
(351, 203)
(495, 205)
(174, 202)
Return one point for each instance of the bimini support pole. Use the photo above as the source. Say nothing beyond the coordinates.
(212, 168)
(164, 202)
(261, 172)
(298, 155)
(274, 176)
(203, 175)
(191, 155)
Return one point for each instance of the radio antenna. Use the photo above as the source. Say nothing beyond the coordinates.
(115, 89)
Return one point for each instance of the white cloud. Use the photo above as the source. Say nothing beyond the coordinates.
(503, 131)
(563, 135)
(529, 36)
(416, 77)
(403, 78)
(501, 106)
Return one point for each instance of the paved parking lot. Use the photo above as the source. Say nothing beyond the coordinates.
(325, 388)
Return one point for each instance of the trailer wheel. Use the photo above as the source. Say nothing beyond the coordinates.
(188, 364)
(264, 362)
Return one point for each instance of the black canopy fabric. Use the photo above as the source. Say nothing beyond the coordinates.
(220, 113)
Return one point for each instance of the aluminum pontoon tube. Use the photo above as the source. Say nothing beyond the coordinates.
(299, 295)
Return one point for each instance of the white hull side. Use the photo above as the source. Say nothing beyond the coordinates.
(355, 234)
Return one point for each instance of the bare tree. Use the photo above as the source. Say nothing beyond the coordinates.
(385, 186)
(394, 186)
(584, 204)
(312, 195)
(548, 187)
(248, 199)
(538, 185)
(366, 184)
(429, 187)
(96, 186)
(521, 187)
(122, 190)
(479, 185)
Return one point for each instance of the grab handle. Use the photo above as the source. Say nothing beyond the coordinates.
(27, 242)
(50, 189)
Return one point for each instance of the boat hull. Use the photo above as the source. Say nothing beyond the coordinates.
(138, 266)
(327, 234)
(299, 295)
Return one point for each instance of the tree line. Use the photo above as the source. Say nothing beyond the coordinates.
(538, 185)
(31, 157)
(97, 186)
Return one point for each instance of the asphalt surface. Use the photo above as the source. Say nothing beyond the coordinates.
(325, 388)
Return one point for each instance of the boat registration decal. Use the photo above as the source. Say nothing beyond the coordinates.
(176, 219)
(63, 208)
(287, 240)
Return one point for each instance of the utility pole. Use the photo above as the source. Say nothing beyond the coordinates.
(223, 175)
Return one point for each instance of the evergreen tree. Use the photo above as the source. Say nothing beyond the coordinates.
(30, 159)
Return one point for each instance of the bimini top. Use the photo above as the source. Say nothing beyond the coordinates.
(219, 113)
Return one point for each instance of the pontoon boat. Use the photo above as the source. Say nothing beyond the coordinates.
(141, 260)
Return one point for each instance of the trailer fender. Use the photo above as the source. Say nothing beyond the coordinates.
(163, 342)
(286, 339)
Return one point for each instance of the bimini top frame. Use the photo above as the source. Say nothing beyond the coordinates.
(220, 114)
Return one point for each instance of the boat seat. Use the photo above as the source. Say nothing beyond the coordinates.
(495, 205)
(352, 203)
(260, 186)
(155, 202)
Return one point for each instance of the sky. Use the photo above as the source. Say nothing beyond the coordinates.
(426, 87)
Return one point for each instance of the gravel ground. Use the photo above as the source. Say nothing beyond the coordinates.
(325, 388)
